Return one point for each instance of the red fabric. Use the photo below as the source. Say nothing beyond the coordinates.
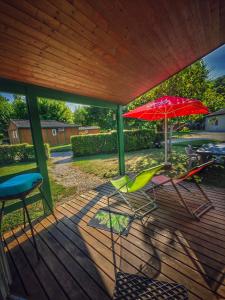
(167, 107)
(195, 170)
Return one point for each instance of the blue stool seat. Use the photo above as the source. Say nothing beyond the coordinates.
(19, 184)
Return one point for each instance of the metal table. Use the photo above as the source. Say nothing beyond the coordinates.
(208, 151)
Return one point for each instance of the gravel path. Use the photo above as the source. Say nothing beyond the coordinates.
(68, 175)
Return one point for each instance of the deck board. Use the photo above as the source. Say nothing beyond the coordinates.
(77, 261)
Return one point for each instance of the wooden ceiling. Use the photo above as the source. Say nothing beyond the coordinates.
(108, 49)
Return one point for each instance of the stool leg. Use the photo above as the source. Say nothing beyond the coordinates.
(24, 218)
(31, 227)
(51, 210)
(1, 215)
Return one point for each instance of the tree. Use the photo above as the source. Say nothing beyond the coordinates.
(190, 82)
(92, 115)
(81, 116)
(6, 113)
(48, 109)
(55, 110)
(219, 85)
(20, 107)
(213, 99)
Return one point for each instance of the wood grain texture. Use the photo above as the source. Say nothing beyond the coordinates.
(111, 50)
(77, 262)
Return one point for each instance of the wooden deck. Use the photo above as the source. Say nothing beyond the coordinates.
(77, 261)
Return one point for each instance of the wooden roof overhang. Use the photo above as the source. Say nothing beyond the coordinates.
(103, 50)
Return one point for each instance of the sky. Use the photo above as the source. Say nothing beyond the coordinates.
(215, 62)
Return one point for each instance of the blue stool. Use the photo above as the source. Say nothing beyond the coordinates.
(19, 187)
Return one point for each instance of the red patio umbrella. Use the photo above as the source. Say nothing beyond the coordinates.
(167, 107)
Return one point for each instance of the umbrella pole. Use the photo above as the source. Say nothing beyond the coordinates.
(166, 145)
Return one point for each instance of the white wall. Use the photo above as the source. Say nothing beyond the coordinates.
(215, 123)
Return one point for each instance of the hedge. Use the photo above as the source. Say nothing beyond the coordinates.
(107, 142)
(19, 152)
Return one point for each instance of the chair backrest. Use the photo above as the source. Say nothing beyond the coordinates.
(195, 170)
(142, 179)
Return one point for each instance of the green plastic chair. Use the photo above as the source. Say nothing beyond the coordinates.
(126, 185)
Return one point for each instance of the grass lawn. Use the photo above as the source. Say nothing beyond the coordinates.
(58, 192)
(105, 166)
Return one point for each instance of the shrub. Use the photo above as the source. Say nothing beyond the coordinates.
(19, 152)
(1, 137)
(107, 142)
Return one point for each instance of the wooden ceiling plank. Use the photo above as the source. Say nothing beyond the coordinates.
(54, 36)
(105, 40)
(30, 70)
(21, 48)
(126, 30)
(41, 36)
(90, 73)
(40, 79)
(16, 87)
(11, 59)
(54, 67)
(107, 48)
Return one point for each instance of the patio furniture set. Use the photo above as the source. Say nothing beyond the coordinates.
(205, 153)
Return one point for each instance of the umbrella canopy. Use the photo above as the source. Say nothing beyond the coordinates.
(165, 108)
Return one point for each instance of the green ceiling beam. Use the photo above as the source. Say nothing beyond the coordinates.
(16, 87)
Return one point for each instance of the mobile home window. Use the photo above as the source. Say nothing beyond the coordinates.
(54, 132)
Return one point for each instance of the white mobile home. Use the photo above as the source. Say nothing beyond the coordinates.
(215, 121)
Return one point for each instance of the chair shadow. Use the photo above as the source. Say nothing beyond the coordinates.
(214, 278)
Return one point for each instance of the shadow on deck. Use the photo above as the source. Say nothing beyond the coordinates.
(77, 261)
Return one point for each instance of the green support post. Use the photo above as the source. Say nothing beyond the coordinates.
(35, 124)
(120, 136)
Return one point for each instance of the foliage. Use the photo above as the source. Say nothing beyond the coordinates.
(107, 142)
(192, 82)
(96, 116)
(6, 112)
(19, 107)
(55, 110)
(219, 85)
(185, 129)
(48, 109)
(212, 99)
(19, 152)
(94, 143)
(81, 116)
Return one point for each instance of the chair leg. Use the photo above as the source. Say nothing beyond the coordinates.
(51, 210)
(151, 202)
(1, 215)
(31, 228)
(202, 191)
(182, 199)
